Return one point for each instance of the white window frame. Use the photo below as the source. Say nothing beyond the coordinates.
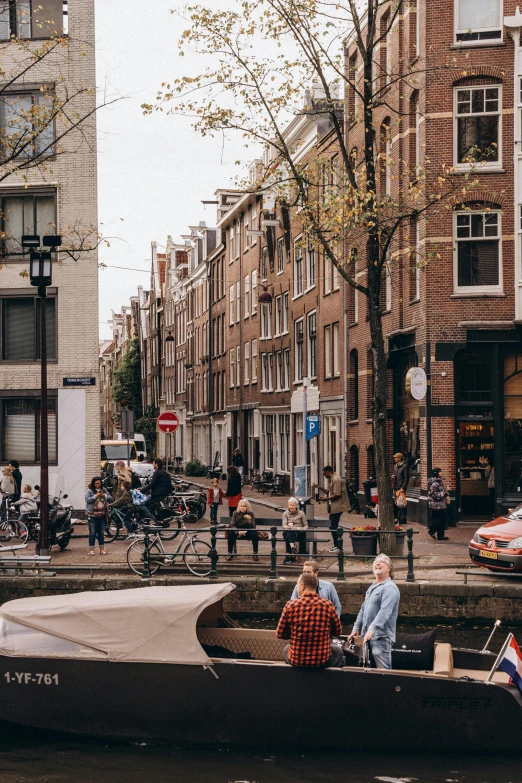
(311, 271)
(492, 165)
(266, 321)
(285, 312)
(264, 373)
(298, 351)
(254, 292)
(279, 371)
(476, 290)
(238, 238)
(336, 350)
(232, 355)
(246, 228)
(280, 255)
(231, 245)
(232, 298)
(238, 365)
(311, 371)
(328, 351)
(264, 264)
(254, 223)
(254, 361)
(327, 271)
(298, 256)
(246, 293)
(238, 301)
(278, 315)
(286, 369)
(478, 30)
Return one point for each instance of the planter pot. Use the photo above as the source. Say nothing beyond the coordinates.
(398, 545)
(365, 545)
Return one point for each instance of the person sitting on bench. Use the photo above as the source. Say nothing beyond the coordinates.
(294, 525)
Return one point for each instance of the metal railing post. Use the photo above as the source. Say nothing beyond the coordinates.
(273, 554)
(213, 553)
(340, 555)
(146, 553)
(410, 577)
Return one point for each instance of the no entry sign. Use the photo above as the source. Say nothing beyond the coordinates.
(168, 422)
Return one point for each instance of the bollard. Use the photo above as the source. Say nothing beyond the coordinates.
(273, 554)
(213, 553)
(146, 553)
(410, 577)
(340, 555)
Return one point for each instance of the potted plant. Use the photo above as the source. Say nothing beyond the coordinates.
(364, 540)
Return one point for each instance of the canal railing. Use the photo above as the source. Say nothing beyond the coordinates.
(341, 556)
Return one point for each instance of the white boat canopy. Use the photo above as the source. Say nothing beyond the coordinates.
(146, 624)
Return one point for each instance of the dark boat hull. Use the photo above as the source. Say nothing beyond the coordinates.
(259, 705)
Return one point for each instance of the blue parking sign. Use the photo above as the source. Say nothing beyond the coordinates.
(313, 426)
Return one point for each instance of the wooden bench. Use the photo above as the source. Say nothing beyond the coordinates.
(19, 563)
(313, 533)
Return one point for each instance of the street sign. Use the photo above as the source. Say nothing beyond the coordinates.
(168, 422)
(83, 381)
(313, 426)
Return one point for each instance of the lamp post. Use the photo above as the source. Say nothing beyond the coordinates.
(40, 274)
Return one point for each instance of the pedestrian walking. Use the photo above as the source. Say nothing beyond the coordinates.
(96, 499)
(437, 503)
(400, 478)
(233, 493)
(377, 618)
(17, 478)
(337, 498)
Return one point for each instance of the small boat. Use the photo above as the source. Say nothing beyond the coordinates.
(167, 663)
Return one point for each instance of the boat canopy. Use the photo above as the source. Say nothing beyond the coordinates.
(147, 624)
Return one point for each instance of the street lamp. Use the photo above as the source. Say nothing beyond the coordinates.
(40, 274)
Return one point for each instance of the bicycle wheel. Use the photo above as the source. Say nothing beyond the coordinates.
(171, 532)
(112, 529)
(197, 557)
(135, 557)
(20, 531)
(5, 531)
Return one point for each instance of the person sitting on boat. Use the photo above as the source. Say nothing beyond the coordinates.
(324, 589)
(243, 518)
(310, 622)
(377, 618)
(294, 525)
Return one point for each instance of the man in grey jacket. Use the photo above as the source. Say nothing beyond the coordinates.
(377, 618)
(325, 589)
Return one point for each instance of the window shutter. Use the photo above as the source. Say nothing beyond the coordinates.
(20, 430)
(18, 326)
(47, 18)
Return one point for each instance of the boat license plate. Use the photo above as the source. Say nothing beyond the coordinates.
(489, 555)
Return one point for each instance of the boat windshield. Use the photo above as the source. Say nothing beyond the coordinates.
(516, 513)
(18, 638)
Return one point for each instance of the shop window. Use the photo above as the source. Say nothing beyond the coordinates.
(513, 419)
(407, 420)
(473, 377)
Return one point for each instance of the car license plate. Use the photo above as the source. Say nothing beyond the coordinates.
(490, 555)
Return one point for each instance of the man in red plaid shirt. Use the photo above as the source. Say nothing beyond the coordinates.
(310, 622)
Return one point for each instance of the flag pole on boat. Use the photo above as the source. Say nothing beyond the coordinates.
(485, 648)
(499, 657)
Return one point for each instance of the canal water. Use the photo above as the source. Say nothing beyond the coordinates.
(27, 756)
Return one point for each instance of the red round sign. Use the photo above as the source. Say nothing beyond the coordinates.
(168, 422)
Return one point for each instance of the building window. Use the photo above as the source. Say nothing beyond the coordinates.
(328, 266)
(238, 301)
(238, 238)
(285, 314)
(231, 244)
(327, 351)
(280, 255)
(266, 321)
(247, 295)
(21, 328)
(27, 124)
(247, 364)
(353, 386)
(278, 315)
(21, 429)
(279, 371)
(477, 126)
(232, 367)
(231, 305)
(264, 372)
(335, 350)
(286, 362)
(311, 332)
(268, 434)
(478, 22)
(298, 269)
(15, 19)
(254, 361)
(284, 441)
(254, 291)
(477, 251)
(264, 264)
(310, 266)
(299, 339)
(26, 214)
(247, 238)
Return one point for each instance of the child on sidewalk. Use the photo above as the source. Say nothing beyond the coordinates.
(215, 499)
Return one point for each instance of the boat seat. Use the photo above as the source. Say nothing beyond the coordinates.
(262, 644)
(443, 660)
(479, 674)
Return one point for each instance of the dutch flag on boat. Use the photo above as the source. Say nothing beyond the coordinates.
(511, 662)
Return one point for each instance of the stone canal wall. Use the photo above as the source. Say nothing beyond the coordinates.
(430, 601)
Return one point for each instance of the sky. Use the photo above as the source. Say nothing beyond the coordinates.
(153, 171)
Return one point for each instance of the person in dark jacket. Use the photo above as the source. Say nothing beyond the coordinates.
(437, 504)
(233, 492)
(160, 485)
(243, 518)
(238, 461)
(17, 478)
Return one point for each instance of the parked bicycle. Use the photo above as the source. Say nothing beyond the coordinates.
(194, 553)
(168, 519)
(10, 525)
